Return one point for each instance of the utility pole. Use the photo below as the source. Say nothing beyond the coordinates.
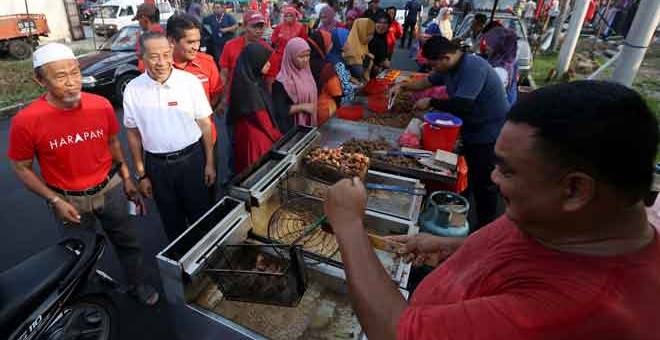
(637, 41)
(574, 29)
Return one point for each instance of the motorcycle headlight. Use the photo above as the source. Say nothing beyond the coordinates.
(88, 80)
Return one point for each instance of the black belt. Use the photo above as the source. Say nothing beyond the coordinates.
(91, 191)
(172, 156)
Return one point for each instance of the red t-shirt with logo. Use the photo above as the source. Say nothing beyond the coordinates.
(70, 145)
(501, 284)
(204, 68)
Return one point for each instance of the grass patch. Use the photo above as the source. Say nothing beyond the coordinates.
(543, 63)
(16, 83)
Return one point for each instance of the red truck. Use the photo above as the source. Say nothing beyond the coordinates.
(19, 33)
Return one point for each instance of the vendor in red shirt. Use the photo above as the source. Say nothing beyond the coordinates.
(84, 178)
(148, 17)
(574, 257)
(254, 29)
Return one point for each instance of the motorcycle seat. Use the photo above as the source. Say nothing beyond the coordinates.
(26, 285)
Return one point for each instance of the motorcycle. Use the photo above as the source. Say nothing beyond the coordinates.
(58, 293)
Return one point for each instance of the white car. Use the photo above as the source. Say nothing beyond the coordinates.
(113, 15)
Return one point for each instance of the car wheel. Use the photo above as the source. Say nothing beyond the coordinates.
(120, 84)
(20, 49)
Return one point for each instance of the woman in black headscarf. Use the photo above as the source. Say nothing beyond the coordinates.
(378, 45)
(251, 107)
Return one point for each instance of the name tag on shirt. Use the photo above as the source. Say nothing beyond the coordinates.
(202, 78)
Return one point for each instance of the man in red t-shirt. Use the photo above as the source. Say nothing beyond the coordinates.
(74, 137)
(574, 257)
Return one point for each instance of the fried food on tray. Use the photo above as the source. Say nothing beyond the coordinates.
(332, 164)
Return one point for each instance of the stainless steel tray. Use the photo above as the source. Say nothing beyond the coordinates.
(259, 182)
(298, 141)
(226, 221)
(396, 204)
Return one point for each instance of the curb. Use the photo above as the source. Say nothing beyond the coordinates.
(9, 111)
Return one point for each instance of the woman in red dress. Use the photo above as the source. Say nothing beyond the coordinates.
(288, 29)
(251, 107)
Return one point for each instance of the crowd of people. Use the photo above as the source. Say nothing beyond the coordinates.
(557, 265)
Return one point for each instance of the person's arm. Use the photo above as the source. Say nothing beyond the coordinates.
(26, 174)
(456, 105)
(203, 113)
(419, 85)
(375, 298)
(118, 157)
(207, 140)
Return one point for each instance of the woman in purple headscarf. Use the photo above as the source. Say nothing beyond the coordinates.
(500, 46)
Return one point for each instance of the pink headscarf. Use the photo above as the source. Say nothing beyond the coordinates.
(298, 83)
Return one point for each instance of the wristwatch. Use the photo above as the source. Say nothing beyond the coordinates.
(53, 200)
(139, 178)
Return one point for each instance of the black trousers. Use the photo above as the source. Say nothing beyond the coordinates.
(179, 190)
(408, 33)
(480, 160)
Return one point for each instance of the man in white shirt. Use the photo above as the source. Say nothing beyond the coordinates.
(167, 115)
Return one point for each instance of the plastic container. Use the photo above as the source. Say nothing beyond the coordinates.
(377, 86)
(350, 112)
(378, 102)
(440, 131)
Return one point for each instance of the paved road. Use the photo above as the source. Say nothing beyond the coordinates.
(27, 226)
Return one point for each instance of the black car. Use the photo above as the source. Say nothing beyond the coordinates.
(108, 70)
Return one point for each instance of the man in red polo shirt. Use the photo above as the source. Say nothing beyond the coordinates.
(148, 17)
(184, 33)
(575, 256)
(74, 137)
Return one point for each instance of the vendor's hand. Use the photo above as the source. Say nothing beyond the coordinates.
(209, 174)
(387, 64)
(66, 212)
(345, 204)
(144, 186)
(423, 104)
(426, 248)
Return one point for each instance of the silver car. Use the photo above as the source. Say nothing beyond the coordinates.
(511, 21)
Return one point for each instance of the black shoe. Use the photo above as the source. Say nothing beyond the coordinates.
(144, 294)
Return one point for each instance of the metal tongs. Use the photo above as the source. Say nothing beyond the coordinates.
(377, 241)
(412, 154)
(395, 188)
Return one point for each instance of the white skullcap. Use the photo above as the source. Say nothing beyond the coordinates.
(51, 52)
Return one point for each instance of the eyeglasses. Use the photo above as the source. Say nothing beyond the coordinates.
(258, 25)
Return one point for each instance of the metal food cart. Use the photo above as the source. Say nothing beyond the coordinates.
(199, 309)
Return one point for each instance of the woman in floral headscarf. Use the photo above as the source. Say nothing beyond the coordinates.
(334, 57)
(288, 29)
(327, 81)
